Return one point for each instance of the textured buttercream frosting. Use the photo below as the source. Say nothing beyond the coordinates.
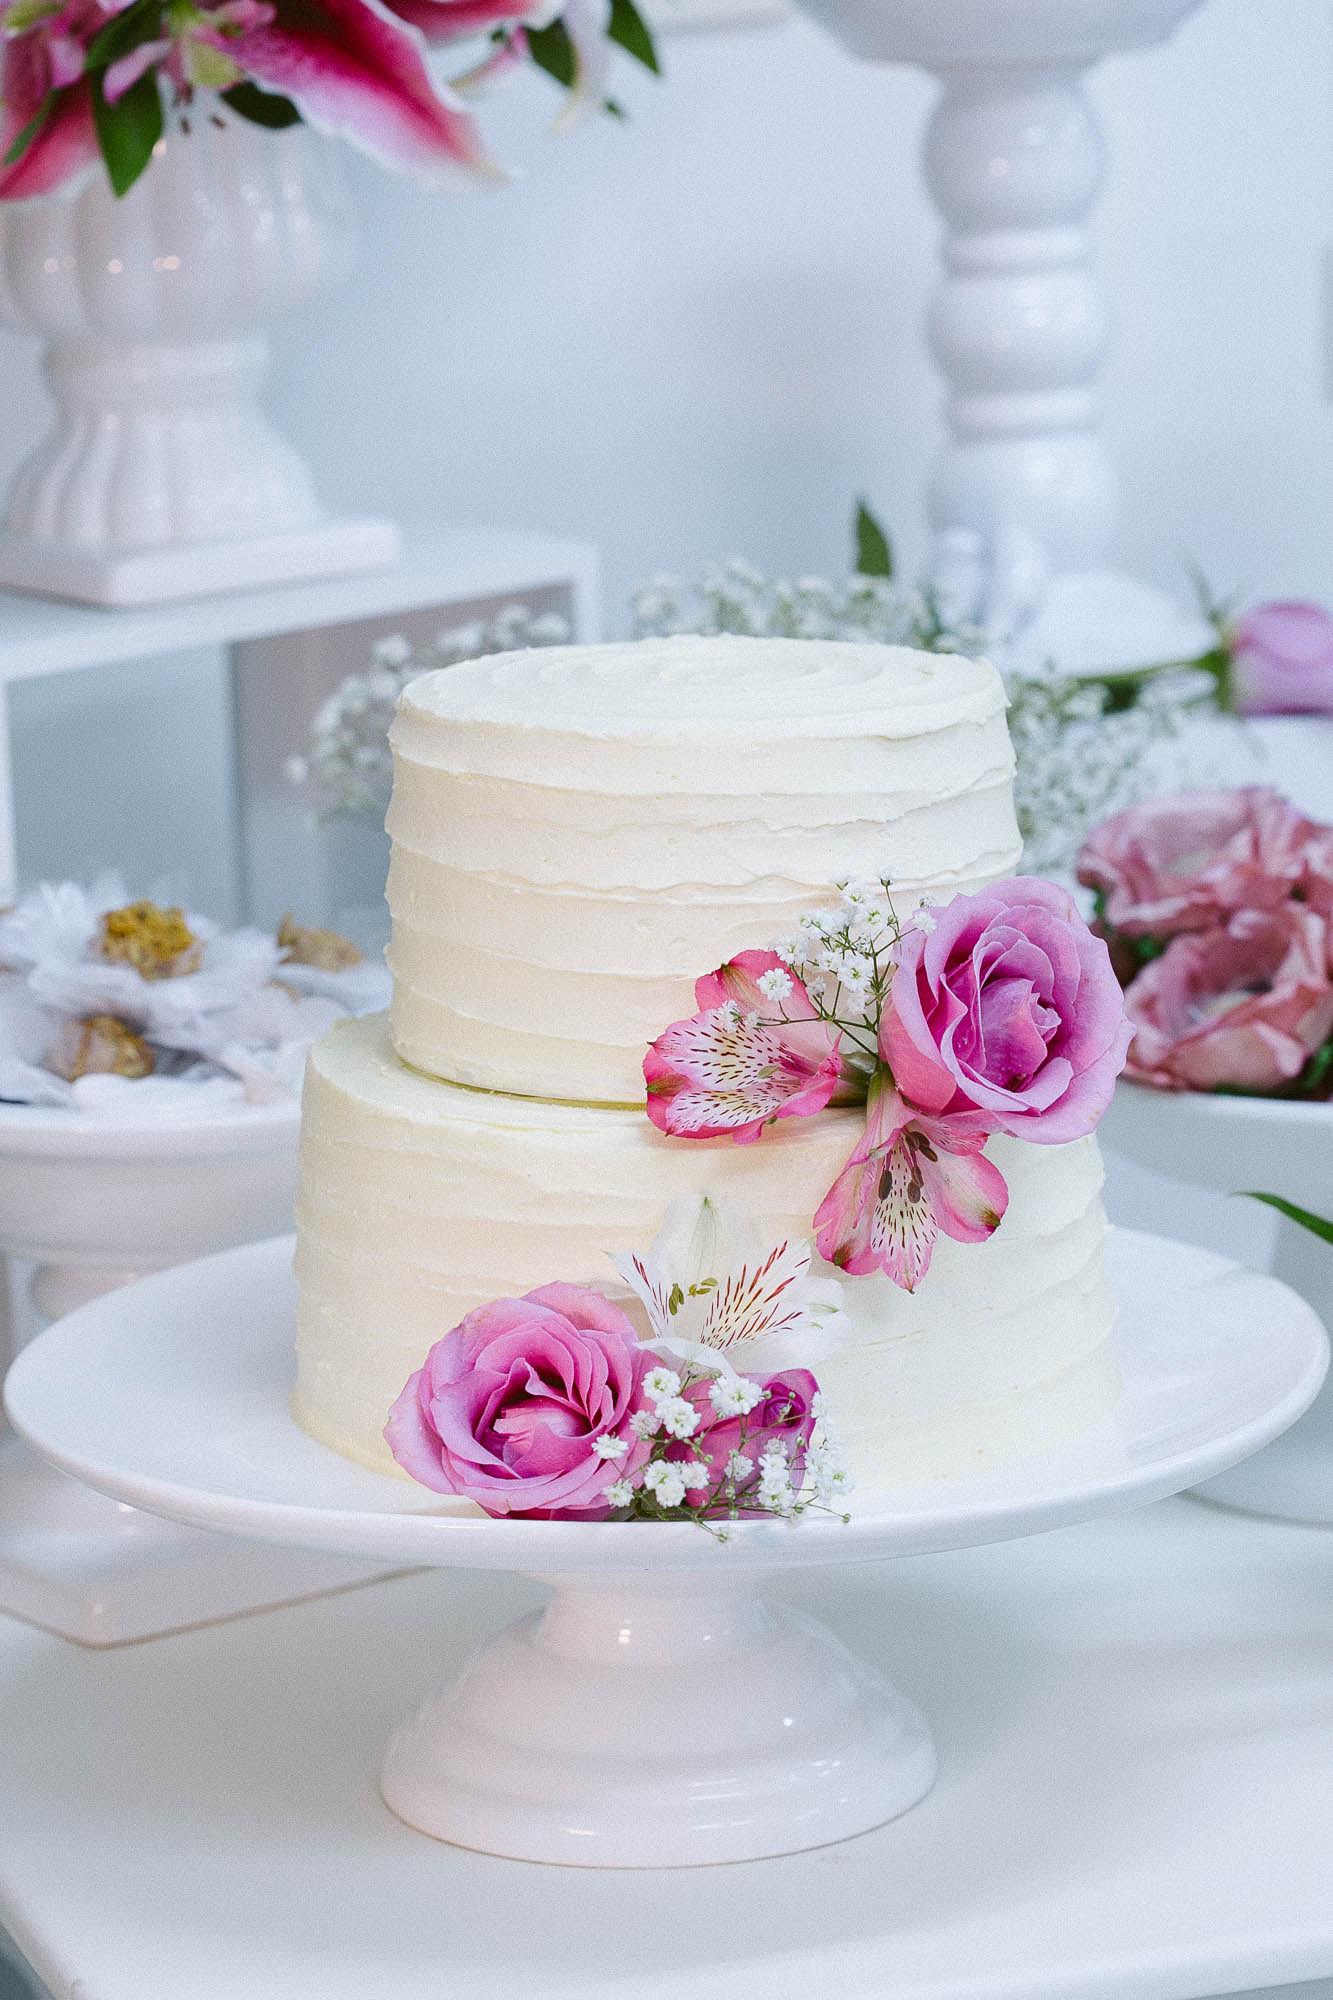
(420, 1200)
(579, 833)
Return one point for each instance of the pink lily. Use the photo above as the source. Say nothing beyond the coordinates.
(199, 54)
(745, 1059)
(355, 70)
(451, 20)
(42, 76)
(910, 1177)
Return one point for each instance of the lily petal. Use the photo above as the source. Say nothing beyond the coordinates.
(356, 71)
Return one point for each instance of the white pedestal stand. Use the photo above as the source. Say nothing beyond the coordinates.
(661, 1712)
(93, 1208)
(1234, 1144)
(161, 477)
(1023, 502)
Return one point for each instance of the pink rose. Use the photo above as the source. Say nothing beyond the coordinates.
(785, 1417)
(1007, 1016)
(1185, 862)
(748, 1057)
(511, 1406)
(1282, 660)
(1244, 1006)
(1316, 883)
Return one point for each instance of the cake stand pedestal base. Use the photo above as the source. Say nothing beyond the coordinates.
(659, 1721)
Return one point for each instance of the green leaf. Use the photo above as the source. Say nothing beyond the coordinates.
(128, 131)
(261, 107)
(1315, 1223)
(30, 131)
(874, 556)
(631, 32)
(552, 50)
(141, 22)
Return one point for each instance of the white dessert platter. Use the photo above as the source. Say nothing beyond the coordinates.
(1235, 1144)
(92, 1204)
(660, 1711)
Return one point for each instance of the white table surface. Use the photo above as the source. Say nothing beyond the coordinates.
(1136, 1802)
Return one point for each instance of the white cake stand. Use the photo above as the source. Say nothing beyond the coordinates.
(661, 1711)
(1234, 1144)
(91, 1205)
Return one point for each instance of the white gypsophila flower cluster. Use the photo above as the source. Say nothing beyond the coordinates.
(346, 771)
(844, 958)
(1078, 760)
(774, 1476)
(734, 597)
(1079, 757)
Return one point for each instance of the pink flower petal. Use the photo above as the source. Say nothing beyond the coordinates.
(355, 70)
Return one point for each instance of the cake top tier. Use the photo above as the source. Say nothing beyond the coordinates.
(580, 834)
(692, 687)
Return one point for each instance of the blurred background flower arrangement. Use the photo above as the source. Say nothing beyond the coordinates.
(84, 81)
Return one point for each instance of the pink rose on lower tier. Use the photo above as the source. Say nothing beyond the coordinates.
(1006, 1016)
(756, 1051)
(1282, 660)
(909, 1178)
(1244, 1006)
(1187, 861)
(525, 1406)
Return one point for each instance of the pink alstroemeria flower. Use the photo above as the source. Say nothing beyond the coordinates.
(909, 1178)
(745, 1059)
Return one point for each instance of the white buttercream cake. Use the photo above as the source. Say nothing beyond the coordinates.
(577, 835)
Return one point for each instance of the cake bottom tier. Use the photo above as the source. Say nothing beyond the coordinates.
(420, 1200)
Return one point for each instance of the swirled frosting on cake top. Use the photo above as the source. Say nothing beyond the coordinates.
(580, 832)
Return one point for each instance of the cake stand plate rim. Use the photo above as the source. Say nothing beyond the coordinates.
(91, 1389)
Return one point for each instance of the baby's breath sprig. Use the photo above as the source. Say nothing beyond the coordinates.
(844, 958)
(762, 1474)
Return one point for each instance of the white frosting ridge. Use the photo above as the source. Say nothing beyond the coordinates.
(420, 1200)
(579, 833)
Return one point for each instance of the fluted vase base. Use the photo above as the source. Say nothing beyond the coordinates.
(126, 577)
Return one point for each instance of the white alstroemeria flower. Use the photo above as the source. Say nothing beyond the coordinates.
(720, 1299)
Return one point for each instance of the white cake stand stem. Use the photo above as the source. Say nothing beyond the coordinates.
(669, 1719)
(1292, 1478)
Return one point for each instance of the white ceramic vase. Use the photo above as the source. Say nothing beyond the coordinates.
(1023, 500)
(161, 476)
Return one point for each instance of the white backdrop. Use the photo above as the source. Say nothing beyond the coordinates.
(696, 334)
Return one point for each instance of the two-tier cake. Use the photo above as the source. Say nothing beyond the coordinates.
(577, 835)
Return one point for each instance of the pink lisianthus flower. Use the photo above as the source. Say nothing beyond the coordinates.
(910, 1177)
(1282, 660)
(525, 1407)
(1187, 861)
(755, 1052)
(1244, 1006)
(1006, 1014)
